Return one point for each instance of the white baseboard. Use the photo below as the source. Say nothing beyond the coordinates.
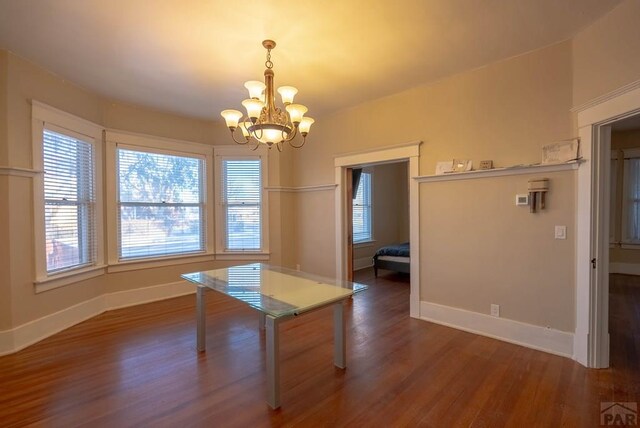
(34, 331)
(625, 268)
(532, 336)
(362, 263)
(138, 296)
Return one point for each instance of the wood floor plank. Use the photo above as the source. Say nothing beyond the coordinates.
(138, 367)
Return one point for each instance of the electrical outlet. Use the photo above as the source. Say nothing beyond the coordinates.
(297, 267)
(561, 232)
(495, 310)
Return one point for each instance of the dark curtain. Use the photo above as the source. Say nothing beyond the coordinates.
(357, 172)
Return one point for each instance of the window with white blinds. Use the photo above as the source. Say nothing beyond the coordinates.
(69, 202)
(241, 200)
(161, 204)
(631, 199)
(362, 218)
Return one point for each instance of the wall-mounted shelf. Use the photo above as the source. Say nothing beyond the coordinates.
(499, 172)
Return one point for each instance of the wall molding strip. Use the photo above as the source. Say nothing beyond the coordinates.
(19, 172)
(316, 188)
(499, 172)
(27, 334)
(531, 336)
(606, 97)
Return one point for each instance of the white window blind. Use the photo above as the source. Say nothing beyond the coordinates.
(69, 202)
(632, 200)
(362, 229)
(161, 204)
(242, 204)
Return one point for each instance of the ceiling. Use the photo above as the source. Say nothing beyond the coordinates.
(193, 56)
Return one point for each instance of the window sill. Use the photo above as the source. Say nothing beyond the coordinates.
(243, 255)
(66, 278)
(364, 244)
(128, 265)
(630, 246)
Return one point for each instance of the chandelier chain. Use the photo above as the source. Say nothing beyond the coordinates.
(268, 62)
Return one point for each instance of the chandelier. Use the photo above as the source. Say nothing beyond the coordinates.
(265, 123)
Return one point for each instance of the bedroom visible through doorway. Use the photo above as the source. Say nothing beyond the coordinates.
(379, 218)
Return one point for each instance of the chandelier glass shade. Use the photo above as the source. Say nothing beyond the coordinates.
(265, 122)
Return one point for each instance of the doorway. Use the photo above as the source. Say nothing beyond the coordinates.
(379, 210)
(591, 339)
(624, 241)
(408, 153)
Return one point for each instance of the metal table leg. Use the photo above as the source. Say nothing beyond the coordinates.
(339, 336)
(273, 362)
(261, 320)
(200, 319)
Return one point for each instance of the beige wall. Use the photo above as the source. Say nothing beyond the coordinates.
(606, 55)
(3, 108)
(153, 122)
(5, 255)
(477, 248)
(25, 82)
(5, 280)
(504, 112)
(390, 208)
(622, 140)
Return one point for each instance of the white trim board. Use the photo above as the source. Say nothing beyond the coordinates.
(362, 263)
(499, 172)
(316, 188)
(625, 268)
(19, 172)
(531, 336)
(34, 331)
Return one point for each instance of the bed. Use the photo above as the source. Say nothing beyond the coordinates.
(392, 257)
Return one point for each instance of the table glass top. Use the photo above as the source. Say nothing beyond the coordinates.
(275, 290)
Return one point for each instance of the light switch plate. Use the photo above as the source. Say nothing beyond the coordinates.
(561, 232)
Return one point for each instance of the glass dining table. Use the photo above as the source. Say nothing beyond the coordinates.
(278, 294)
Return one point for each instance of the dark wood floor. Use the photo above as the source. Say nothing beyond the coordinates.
(138, 367)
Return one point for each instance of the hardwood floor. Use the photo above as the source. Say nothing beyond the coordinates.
(138, 367)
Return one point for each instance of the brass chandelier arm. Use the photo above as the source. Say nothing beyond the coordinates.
(233, 135)
(304, 139)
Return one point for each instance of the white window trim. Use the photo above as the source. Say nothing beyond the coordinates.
(115, 139)
(624, 242)
(241, 152)
(59, 121)
(613, 195)
(371, 237)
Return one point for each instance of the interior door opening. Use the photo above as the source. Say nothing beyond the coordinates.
(377, 212)
(623, 269)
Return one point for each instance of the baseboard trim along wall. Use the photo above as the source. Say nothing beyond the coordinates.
(531, 336)
(625, 268)
(362, 263)
(34, 331)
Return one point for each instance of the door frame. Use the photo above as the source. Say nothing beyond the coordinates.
(591, 340)
(391, 154)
